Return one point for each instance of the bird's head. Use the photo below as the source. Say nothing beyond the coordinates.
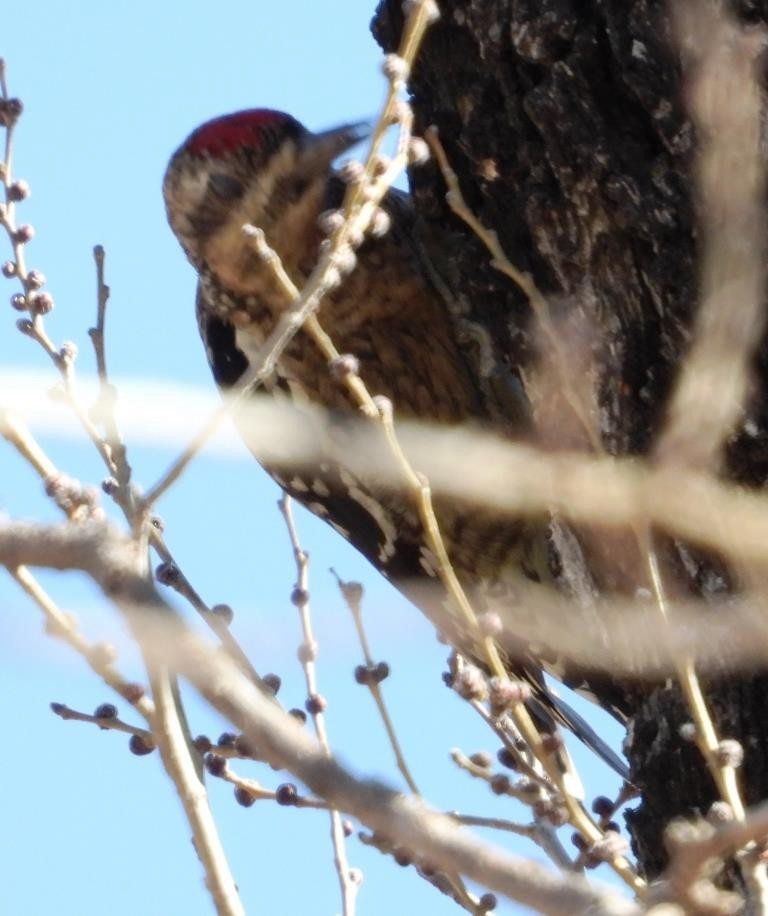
(257, 166)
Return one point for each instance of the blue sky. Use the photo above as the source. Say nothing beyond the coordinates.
(109, 91)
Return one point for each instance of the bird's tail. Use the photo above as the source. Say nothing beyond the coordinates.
(547, 707)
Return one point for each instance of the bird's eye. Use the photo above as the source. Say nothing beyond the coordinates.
(225, 187)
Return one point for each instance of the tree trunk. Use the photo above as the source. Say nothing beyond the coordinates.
(564, 121)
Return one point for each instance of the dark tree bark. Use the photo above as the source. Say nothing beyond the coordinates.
(564, 120)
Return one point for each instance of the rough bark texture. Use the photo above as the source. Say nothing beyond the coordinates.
(564, 121)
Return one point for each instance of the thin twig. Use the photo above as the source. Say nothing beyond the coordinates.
(418, 489)
(106, 723)
(705, 734)
(349, 882)
(479, 771)
(124, 493)
(440, 880)
(525, 283)
(256, 792)
(528, 765)
(352, 594)
(99, 658)
(193, 447)
(494, 823)
(178, 581)
(34, 327)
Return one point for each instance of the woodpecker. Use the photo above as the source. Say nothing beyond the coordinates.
(262, 167)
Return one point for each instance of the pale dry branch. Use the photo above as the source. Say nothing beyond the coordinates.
(479, 468)
(182, 764)
(727, 107)
(614, 492)
(693, 846)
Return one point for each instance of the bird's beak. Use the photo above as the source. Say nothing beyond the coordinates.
(323, 148)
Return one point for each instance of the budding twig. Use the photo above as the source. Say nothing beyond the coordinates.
(349, 882)
(107, 723)
(124, 493)
(351, 592)
(371, 675)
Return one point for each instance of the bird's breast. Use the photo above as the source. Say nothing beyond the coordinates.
(387, 317)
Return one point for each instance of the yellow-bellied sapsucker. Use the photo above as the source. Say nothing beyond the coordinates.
(262, 167)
